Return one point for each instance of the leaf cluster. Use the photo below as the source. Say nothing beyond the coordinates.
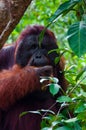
(76, 34)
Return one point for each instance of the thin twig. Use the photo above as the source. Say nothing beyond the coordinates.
(63, 105)
(77, 85)
(49, 109)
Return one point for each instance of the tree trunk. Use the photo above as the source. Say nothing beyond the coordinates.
(11, 12)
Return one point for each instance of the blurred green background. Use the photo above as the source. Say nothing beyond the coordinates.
(39, 12)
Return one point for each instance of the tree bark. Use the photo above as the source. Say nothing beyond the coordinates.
(11, 12)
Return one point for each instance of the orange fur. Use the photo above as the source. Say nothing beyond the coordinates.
(16, 83)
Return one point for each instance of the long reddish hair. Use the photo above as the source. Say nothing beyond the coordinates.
(35, 30)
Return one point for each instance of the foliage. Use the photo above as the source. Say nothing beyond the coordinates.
(67, 18)
(77, 37)
(74, 99)
(77, 32)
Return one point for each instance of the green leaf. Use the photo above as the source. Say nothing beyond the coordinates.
(44, 78)
(35, 112)
(63, 128)
(51, 79)
(71, 120)
(80, 74)
(82, 116)
(57, 59)
(73, 125)
(83, 93)
(64, 7)
(41, 36)
(77, 38)
(47, 111)
(77, 126)
(80, 107)
(26, 112)
(54, 88)
(64, 99)
(23, 113)
(46, 128)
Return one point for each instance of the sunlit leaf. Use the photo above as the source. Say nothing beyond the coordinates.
(35, 112)
(51, 79)
(44, 78)
(71, 120)
(47, 111)
(26, 112)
